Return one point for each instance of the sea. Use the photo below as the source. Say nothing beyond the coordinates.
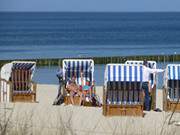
(35, 35)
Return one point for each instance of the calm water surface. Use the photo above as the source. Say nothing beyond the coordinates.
(57, 35)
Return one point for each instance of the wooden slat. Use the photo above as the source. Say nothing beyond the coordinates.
(28, 81)
(22, 78)
(16, 78)
(25, 78)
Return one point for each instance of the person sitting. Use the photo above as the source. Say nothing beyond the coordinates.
(86, 88)
(73, 88)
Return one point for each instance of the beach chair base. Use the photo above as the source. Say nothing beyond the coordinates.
(24, 98)
(169, 105)
(85, 103)
(123, 110)
(67, 100)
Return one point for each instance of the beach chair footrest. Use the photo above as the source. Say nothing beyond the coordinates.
(67, 100)
(123, 110)
(24, 97)
(171, 105)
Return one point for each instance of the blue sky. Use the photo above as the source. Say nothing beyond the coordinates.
(90, 5)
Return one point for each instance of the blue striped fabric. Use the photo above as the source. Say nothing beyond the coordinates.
(173, 81)
(120, 76)
(151, 64)
(23, 65)
(124, 72)
(173, 71)
(73, 67)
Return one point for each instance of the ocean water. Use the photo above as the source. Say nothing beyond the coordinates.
(59, 35)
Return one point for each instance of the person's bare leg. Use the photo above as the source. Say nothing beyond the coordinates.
(90, 92)
(71, 97)
(84, 95)
(80, 100)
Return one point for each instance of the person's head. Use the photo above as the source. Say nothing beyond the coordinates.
(87, 82)
(73, 79)
(145, 63)
(81, 72)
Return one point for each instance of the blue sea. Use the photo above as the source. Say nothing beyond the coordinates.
(65, 34)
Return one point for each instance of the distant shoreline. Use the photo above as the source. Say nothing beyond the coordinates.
(100, 60)
(3, 11)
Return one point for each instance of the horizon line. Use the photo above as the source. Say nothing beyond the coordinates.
(91, 11)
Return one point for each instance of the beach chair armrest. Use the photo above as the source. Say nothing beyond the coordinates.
(34, 86)
(3, 80)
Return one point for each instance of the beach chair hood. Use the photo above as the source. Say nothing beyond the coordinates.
(173, 71)
(73, 67)
(151, 64)
(123, 72)
(6, 70)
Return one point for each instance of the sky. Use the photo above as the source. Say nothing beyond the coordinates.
(91, 5)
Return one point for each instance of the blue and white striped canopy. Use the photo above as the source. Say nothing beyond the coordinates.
(123, 72)
(151, 64)
(73, 67)
(23, 65)
(173, 71)
(6, 69)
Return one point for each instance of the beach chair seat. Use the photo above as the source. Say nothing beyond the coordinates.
(23, 92)
(171, 91)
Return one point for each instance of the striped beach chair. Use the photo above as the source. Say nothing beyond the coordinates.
(73, 67)
(152, 65)
(171, 91)
(122, 94)
(16, 82)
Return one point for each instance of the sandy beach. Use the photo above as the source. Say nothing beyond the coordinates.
(44, 118)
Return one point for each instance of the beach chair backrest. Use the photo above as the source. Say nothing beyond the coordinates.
(151, 64)
(123, 83)
(73, 67)
(21, 75)
(172, 81)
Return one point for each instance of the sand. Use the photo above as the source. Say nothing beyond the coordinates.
(44, 118)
